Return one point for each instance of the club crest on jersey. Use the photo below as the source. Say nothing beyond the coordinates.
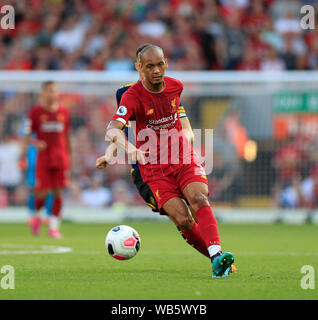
(122, 111)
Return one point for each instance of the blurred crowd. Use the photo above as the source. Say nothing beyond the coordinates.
(195, 34)
(296, 165)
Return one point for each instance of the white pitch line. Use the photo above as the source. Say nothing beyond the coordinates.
(275, 253)
(32, 249)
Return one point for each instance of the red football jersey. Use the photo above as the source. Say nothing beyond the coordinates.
(52, 128)
(158, 126)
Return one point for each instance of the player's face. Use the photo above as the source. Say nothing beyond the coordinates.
(153, 66)
(50, 93)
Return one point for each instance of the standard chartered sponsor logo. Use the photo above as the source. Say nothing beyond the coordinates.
(162, 120)
(52, 126)
(152, 123)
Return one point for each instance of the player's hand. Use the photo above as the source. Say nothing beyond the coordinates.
(101, 163)
(40, 145)
(23, 163)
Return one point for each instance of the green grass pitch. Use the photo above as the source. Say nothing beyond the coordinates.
(268, 257)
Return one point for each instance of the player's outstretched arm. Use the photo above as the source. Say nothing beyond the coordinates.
(116, 135)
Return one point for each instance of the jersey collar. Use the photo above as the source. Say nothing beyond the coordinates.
(164, 87)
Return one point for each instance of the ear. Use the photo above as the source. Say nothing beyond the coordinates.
(166, 62)
(138, 66)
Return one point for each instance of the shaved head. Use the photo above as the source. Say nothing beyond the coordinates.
(148, 49)
(140, 48)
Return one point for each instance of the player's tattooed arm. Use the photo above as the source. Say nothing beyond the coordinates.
(116, 135)
(187, 129)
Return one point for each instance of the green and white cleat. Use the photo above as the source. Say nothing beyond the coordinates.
(222, 265)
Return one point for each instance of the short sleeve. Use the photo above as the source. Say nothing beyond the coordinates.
(126, 110)
(180, 86)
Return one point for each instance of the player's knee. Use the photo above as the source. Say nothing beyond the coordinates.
(199, 200)
(183, 221)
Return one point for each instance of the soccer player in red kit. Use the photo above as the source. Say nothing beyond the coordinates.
(142, 187)
(171, 168)
(51, 123)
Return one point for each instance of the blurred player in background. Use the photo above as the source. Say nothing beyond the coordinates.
(51, 123)
(28, 164)
(152, 101)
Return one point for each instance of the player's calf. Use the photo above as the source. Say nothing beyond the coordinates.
(179, 214)
(184, 222)
(197, 194)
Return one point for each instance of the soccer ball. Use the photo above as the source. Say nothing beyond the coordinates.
(122, 242)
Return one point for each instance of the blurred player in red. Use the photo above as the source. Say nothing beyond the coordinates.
(152, 102)
(51, 123)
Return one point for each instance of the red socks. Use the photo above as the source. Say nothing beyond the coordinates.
(57, 206)
(39, 203)
(205, 233)
(194, 239)
(208, 226)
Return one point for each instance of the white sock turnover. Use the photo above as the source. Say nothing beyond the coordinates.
(214, 249)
